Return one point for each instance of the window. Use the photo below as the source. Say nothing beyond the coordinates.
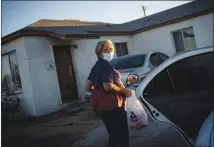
(159, 86)
(157, 58)
(121, 49)
(10, 79)
(193, 74)
(184, 39)
(131, 61)
(188, 75)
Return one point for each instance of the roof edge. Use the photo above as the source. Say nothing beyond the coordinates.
(21, 33)
(173, 21)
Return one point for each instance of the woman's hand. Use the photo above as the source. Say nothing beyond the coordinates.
(89, 85)
(115, 88)
(127, 92)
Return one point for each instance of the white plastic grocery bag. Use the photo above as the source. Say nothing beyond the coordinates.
(136, 114)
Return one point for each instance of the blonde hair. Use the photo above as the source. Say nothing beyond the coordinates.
(100, 46)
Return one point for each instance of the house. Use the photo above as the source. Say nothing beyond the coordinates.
(47, 63)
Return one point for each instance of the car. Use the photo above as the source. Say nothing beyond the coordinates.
(180, 92)
(206, 134)
(134, 68)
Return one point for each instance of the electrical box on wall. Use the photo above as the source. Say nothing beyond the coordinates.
(49, 64)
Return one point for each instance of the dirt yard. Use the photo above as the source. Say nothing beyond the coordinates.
(57, 130)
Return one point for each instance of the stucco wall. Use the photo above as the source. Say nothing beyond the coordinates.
(44, 81)
(26, 94)
(83, 60)
(160, 39)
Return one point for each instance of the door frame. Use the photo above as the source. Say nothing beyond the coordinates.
(73, 72)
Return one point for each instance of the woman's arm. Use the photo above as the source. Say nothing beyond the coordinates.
(112, 87)
(89, 85)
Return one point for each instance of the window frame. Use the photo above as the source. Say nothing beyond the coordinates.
(120, 44)
(15, 90)
(182, 33)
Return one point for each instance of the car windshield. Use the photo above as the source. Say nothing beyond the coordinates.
(130, 61)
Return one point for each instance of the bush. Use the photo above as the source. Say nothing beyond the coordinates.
(10, 105)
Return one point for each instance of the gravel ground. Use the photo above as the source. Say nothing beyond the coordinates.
(51, 130)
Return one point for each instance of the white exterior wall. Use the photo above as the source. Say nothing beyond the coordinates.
(26, 94)
(161, 39)
(83, 59)
(44, 81)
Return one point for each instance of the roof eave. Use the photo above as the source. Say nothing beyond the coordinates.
(104, 33)
(172, 21)
(21, 33)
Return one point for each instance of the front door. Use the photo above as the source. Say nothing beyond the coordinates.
(65, 73)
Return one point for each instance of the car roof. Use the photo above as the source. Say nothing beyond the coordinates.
(131, 55)
(126, 56)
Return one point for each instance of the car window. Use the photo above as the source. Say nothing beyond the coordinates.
(193, 74)
(184, 76)
(157, 58)
(164, 56)
(159, 86)
(131, 61)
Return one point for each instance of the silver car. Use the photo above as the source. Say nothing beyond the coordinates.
(134, 68)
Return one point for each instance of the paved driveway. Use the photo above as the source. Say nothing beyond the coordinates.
(156, 134)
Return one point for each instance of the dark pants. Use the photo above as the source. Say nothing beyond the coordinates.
(116, 125)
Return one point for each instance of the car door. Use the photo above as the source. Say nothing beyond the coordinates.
(181, 91)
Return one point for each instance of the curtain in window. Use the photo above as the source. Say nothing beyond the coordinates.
(6, 77)
(118, 49)
(15, 71)
(124, 49)
(189, 39)
(121, 49)
(178, 39)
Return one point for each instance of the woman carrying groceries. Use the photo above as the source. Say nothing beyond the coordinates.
(108, 95)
